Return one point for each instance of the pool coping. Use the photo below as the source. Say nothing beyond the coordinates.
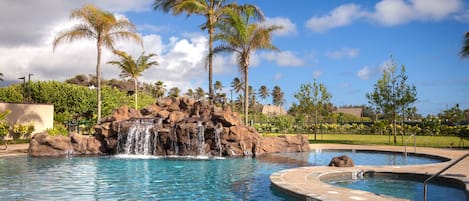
(304, 183)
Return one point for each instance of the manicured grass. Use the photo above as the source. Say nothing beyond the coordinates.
(421, 141)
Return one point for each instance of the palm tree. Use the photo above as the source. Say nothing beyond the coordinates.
(237, 85)
(278, 96)
(218, 86)
(212, 10)
(263, 92)
(465, 48)
(174, 92)
(199, 93)
(133, 69)
(104, 28)
(242, 37)
(190, 93)
(160, 89)
(1, 77)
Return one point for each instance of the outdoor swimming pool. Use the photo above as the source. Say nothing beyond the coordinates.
(403, 187)
(112, 178)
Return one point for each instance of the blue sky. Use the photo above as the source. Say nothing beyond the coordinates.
(342, 44)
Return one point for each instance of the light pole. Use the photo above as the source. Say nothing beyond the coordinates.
(29, 87)
(24, 82)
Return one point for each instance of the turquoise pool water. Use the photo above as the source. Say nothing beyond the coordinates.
(404, 188)
(114, 178)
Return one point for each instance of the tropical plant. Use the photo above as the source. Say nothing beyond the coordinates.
(465, 48)
(199, 93)
(133, 68)
(1, 77)
(278, 96)
(391, 94)
(23, 130)
(242, 37)
(263, 92)
(102, 27)
(237, 85)
(160, 89)
(212, 10)
(4, 125)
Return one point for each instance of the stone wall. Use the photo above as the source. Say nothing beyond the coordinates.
(42, 115)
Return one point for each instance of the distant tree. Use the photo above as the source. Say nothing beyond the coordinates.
(104, 28)
(241, 36)
(219, 96)
(391, 94)
(133, 68)
(278, 96)
(263, 92)
(174, 92)
(312, 98)
(237, 85)
(218, 86)
(199, 93)
(453, 116)
(190, 93)
(160, 88)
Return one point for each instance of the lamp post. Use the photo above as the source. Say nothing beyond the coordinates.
(24, 82)
(29, 87)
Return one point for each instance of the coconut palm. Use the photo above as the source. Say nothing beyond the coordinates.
(102, 27)
(190, 93)
(212, 10)
(465, 48)
(218, 86)
(237, 85)
(174, 92)
(242, 37)
(263, 92)
(278, 96)
(133, 68)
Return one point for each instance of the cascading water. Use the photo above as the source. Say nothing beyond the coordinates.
(201, 138)
(138, 141)
(218, 130)
(174, 142)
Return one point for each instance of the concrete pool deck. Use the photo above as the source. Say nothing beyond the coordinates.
(15, 150)
(304, 183)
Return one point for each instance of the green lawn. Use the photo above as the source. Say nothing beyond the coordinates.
(421, 141)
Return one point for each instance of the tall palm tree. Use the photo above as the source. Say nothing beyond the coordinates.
(133, 68)
(102, 27)
(190, 93)
(218, 86)
(465, 48)
(212, 10)
(278, 96)
(242, 37)
(263, 92)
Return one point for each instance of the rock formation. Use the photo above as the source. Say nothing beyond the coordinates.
(173, 126)
(341, 161)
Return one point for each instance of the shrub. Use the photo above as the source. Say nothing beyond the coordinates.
(59, 129)
(22, 130)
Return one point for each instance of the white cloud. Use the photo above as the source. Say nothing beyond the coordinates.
(284, 58)
(340, 16)
(288, 27)
(278, 76)
(386, 12)
(343, 52)
(317, 74)
(364, 73)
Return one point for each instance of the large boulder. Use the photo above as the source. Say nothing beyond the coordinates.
(341, 161)
(284, 143)
(43, 144)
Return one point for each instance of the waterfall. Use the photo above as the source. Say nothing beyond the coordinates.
(218, 130)
(174, 142)
(201, 138)
(138, 140)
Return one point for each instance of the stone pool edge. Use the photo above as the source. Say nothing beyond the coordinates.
(304, 184)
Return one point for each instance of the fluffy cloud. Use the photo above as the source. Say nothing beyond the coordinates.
(386, 12)
(284, 58)
(364, 73)
(317, 74)
(342, 53)
(19, 28)
(340, 16)
(288, 27)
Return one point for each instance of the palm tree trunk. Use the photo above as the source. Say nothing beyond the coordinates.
(135, 94)
(246, 95)
(210, 64)
(98, 79)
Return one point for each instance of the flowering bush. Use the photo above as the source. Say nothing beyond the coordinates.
(23, 130)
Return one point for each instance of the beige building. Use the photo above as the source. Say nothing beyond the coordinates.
(41, 115)
(273, 110)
